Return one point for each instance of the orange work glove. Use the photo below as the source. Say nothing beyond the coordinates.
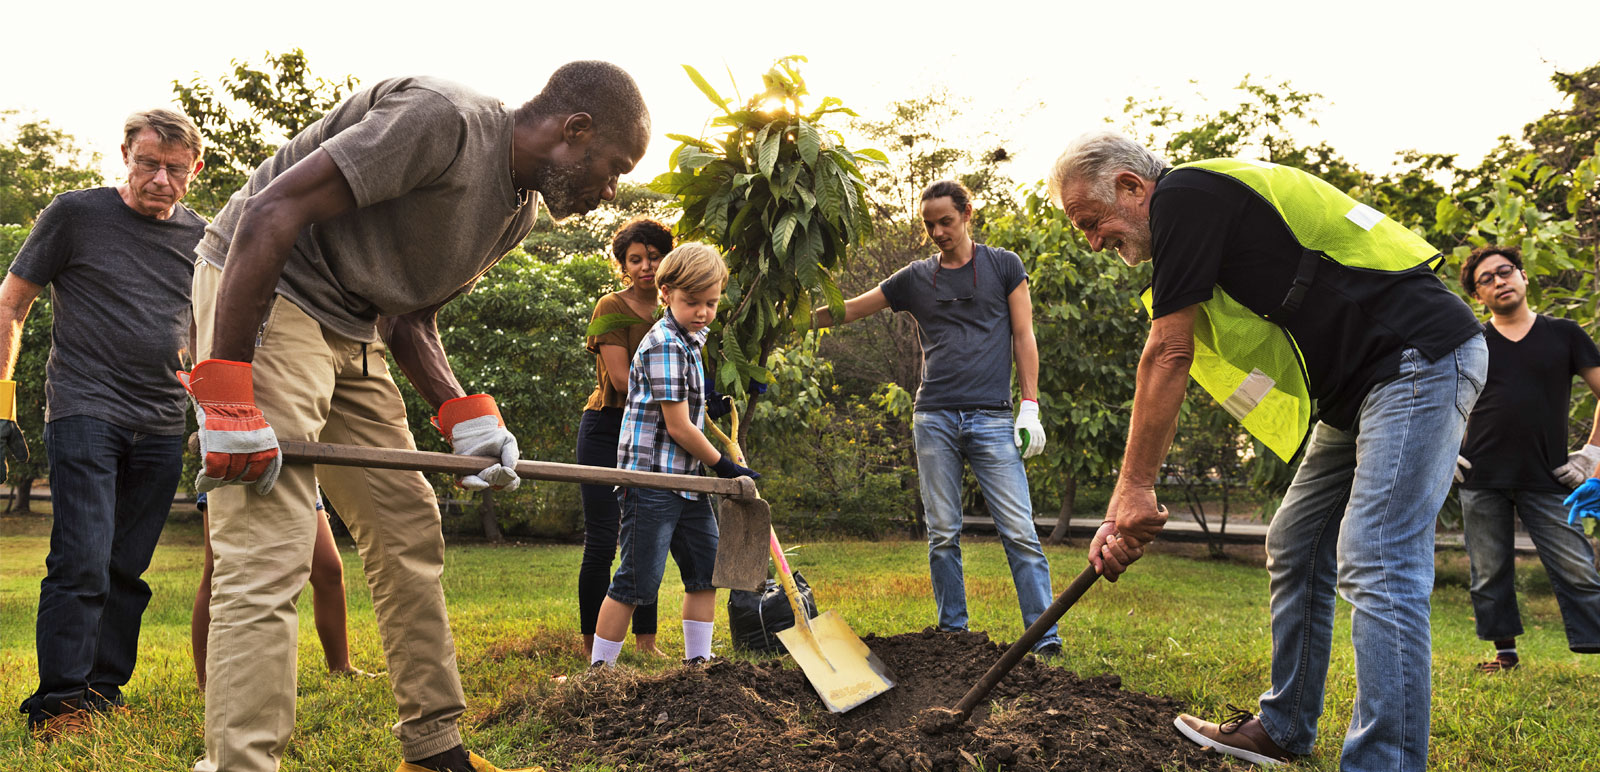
(474, 428)
(236, 444)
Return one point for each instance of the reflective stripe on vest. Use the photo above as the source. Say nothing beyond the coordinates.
(1252, 366)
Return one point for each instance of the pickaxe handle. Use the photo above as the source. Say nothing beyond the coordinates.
(298, 452)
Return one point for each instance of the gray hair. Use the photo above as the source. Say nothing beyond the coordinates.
(1096, 157)
(171, 128)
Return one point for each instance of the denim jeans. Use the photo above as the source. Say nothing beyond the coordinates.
(1488, 517)
(655, 523)
(111, 489)
(598, 431)
(984, 439)
(1359, 520)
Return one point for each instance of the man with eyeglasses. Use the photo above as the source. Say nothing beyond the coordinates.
(119, 261)
(1514, 463)
(974, 318)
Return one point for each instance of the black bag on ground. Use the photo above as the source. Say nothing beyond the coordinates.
(754, 618)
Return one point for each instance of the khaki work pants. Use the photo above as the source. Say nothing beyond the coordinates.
(310, 385)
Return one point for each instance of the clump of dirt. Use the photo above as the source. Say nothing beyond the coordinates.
(734, 715)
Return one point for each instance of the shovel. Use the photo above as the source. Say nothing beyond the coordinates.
(741, 560)
(839, 666)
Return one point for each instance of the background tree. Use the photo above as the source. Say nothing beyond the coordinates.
(784, 199)
(247, 114)
(37, 162)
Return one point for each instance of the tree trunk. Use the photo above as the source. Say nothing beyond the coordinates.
(1069, 499)
(486, 515)
(22, 495)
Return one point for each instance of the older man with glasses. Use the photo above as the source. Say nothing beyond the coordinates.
(119, 262)
(974, 317)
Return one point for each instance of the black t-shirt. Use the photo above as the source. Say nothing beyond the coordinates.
(1517, 434)
(119, 292)
(1209, 230)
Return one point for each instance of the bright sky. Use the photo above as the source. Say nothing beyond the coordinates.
(1445, 77)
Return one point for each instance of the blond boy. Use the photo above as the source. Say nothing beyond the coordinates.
(661, 432)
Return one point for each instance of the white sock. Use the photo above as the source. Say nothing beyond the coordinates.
(696, 639)
(605, 651)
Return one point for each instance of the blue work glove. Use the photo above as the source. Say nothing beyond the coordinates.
(717, 403)
(757, 387)
(1585, 501)
(727, 467)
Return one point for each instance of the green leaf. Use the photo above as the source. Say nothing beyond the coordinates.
(874, 154)
(705, 88)
(809, 143)
(688, 140)
(834, 296)
(604, 324)
(782, 234)
(769, 150)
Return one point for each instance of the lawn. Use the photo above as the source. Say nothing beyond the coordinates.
(1191, 628)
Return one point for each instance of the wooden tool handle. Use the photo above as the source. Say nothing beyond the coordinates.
(1025, 644)
(297, 452)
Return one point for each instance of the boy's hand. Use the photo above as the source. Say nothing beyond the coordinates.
(727, 467)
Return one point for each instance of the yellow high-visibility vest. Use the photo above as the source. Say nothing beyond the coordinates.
(1250, 363)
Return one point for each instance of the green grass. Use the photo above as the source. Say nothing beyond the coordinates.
(1190, 628)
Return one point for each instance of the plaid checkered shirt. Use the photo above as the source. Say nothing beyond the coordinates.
(667, 367)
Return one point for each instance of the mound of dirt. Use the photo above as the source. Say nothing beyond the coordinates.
(733, 715)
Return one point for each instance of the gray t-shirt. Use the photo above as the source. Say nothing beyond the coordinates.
(964, 325)
(429, 162)
(119, 294)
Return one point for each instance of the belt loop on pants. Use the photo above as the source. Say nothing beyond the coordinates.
(363, 359)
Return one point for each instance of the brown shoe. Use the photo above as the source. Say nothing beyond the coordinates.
(1239, 735)
(1500, 664)
(75, 721)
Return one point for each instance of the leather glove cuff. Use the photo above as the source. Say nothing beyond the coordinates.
(455, 411)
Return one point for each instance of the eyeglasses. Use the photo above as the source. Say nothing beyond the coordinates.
(962, 298)
(1488, 277)
(174, 172)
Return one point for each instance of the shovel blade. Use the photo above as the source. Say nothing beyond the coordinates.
(742, 527)
(839, 666)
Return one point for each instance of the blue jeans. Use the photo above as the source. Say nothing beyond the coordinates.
(653, 524)
(1488, 517)
(984, 439)
(111, 489)
(1359, 520)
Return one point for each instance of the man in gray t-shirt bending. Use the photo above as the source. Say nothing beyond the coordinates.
(389, 206)
(974, 316)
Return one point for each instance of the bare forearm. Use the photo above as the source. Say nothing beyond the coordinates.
(1594, 428)
(692, 440)
(255, 262)
(1025, 349)
(1158, 396)
(10, 340)
(421, 356)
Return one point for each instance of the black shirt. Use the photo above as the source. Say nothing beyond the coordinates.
(119, 291)
(1517, 434)
(1209, 230)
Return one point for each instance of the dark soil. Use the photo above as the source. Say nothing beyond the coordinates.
(736, 715)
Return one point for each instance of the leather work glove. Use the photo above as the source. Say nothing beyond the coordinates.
(727, 467)
(1580, 464)
(1029, 433)
(474, 428)
(1462, 465)
(1585, 501)
(237, 446)
(12, 442)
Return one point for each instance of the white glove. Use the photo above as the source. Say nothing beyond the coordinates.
(474, 428)
(1580, 464)
(1029, 433)
(1462, 465)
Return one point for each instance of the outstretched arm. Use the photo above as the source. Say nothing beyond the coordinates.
(866, 304)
